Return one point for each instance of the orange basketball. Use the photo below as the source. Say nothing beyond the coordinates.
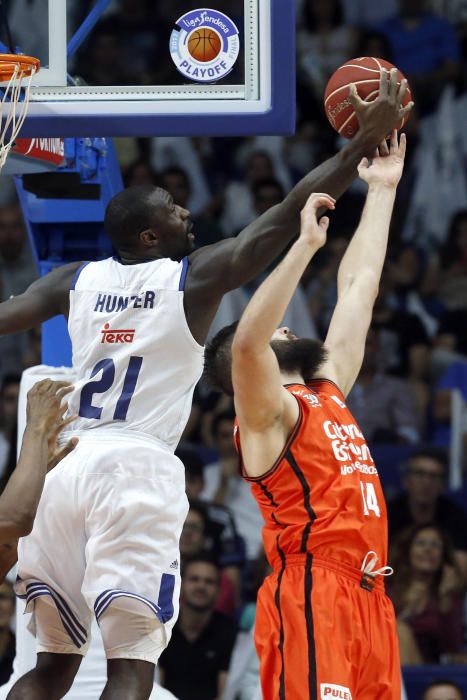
(204, 44)
(365, 73)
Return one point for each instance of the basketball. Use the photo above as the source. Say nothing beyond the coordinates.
(204, 45)
(365, 73)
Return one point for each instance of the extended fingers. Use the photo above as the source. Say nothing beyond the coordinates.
(383, 83)
(383, 148)
(405, 110)
(402, 146)
(354, 97)
(393, 85)
(402, 90)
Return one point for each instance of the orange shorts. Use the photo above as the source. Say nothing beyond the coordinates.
(321, 636)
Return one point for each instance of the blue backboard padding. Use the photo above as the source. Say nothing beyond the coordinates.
(278, 119)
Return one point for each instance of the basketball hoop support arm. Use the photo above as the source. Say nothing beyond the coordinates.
(87, 26)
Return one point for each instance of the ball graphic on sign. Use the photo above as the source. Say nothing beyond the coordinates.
(204, 44)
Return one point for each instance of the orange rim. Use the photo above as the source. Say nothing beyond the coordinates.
(10, 62)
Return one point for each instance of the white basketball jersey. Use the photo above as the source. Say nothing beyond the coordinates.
(134, 356)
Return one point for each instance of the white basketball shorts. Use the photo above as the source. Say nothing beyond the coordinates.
(105, 542)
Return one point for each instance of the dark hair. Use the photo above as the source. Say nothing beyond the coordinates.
(192, 462)
(202, 558)
(133, 167)
(442, 681)
(400, 559)
(367, 35)
(267, 182)
(217, 360)
(437, 454)
(175, 170)
(131, 212)
(309, 18)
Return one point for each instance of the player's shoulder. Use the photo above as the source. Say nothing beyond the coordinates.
(60, 278)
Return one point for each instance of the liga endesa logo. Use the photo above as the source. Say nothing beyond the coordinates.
(204, 45)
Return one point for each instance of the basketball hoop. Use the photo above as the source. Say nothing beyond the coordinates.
(16, 74)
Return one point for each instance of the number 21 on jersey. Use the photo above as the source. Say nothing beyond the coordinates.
(370, 501)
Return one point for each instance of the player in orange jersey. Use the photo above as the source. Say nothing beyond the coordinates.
(325, 628)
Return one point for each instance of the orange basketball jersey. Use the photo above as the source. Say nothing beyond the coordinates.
(323, 494)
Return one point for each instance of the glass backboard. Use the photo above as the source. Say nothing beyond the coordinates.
(158, 67)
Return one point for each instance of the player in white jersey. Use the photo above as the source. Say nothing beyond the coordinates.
(105, 540)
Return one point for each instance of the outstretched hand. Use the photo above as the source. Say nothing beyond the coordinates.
(387, 164)
(45, 411)
(313, 231)
(379, 117)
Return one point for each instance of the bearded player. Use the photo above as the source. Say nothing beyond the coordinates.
(324, 627)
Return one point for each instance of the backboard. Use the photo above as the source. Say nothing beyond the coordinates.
(184, 69)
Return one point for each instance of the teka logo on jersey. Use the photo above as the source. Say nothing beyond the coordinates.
(329, 691)
(112, 336)
(204, 45)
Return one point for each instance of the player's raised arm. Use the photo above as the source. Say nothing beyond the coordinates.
(19, 500)
(231, 263)
(360, 269)
(43, 299)
(261, 401)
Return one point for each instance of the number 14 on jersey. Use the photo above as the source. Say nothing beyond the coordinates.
(370, 501)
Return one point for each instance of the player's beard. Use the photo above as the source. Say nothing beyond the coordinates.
(301, 355)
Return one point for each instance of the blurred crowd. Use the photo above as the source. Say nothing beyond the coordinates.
(416, 352)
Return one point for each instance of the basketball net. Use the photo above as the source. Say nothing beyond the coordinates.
(16, 74)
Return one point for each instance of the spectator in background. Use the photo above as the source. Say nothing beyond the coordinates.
(427, 591)
(141, 43)
(443, 690)
(225, 486)
(238, 208)
(322, 288)
(221, 537)
(7, 638)
(9, 393)
(423, 502)
(373, 43)
(361, 13)
(410, 272)
(17, 270)
(103, 63)
(404, 343)
(195, 664)
(324, 42)
(453, 272)
(194, 541)
(384, 406)
(425, 48)
(453, 378)
(139, 172)
(266, 194)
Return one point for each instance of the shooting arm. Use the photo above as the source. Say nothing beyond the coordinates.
(45, 298)
(357, 287)
(260, 398)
